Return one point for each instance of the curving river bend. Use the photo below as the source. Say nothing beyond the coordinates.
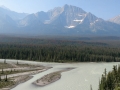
(80, 78)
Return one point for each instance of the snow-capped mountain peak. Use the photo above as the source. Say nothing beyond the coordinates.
(115, 19)
(70, 20)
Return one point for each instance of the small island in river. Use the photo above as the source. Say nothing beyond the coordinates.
(50, 78)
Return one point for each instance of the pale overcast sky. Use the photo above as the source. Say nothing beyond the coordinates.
(101, 8)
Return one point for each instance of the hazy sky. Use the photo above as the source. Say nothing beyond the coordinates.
(101, 8)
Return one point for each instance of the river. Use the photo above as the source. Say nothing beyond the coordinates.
(80, 78)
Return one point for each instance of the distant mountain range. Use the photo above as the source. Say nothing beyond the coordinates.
(67, 20)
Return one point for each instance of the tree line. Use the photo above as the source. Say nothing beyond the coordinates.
(59, 53)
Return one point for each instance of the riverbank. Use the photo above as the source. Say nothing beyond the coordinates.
(14, 74)
(17, 80)
(21, 78)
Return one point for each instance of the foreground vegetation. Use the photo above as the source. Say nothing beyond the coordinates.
(110, 81)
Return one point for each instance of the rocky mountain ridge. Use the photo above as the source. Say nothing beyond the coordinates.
(66, 20)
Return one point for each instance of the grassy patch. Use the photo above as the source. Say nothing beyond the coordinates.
(28, 65)
(4, 84)
(14, 71)
(4, 66)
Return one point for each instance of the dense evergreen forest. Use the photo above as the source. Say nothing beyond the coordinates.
(52, 50)
(110, 81)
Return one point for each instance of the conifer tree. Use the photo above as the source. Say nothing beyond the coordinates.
(2, 71)
(6, 79)
(4, 61)
(0, 78)
(91, 87)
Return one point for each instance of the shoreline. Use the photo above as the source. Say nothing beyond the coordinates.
(19, 82)
(23, 78)
(50, 78)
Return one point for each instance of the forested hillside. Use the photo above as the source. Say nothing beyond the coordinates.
(51, 50)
